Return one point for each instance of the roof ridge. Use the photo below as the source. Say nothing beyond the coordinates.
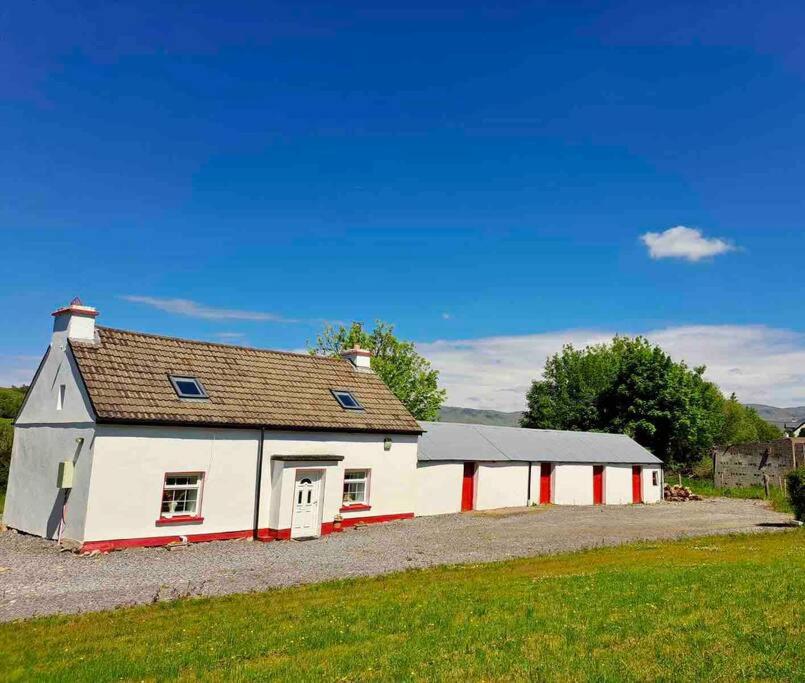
(240, 347)
(527, 429)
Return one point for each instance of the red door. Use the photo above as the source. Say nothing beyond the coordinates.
(637, 484)
(598, 484)
(468, 487)
(544, 483)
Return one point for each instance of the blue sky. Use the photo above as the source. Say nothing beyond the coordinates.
(482, 177)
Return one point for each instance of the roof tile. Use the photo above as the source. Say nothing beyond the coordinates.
(126, 374)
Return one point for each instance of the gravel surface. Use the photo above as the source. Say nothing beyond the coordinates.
(37, 579)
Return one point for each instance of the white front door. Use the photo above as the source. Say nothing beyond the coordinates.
(306, 521)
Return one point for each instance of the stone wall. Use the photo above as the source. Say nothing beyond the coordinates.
(745, 464)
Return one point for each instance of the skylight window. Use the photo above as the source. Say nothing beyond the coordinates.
(346, 400)
(188, 387)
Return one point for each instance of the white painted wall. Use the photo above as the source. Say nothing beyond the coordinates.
(34, 503)
(501, 484)
(652, 493)
(44, 437)
(572, 484)
(58, 368)
(392, 483)
(438, 488)
(618, 484)
(131, 461)
(129, 467)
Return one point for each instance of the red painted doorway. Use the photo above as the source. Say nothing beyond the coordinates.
(637, 484)
(468, 487)
(544, 483)
(598, 484)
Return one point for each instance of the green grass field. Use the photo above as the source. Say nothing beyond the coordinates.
(705, 487)
(717, 608)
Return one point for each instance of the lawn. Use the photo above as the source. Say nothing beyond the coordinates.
(708, 608)
(705, 487)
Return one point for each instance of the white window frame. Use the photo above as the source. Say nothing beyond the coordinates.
(199, 487)
(366, 479)
(175, 379)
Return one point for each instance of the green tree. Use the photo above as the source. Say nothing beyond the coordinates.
(743, 424)
(11, 399)
(409, 376)
(632, 387)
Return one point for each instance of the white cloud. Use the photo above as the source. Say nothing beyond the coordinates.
(761, 364)
(447, 316)
(684, 243)
(193, 309)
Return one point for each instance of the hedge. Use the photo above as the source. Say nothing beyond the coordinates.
(796, 492)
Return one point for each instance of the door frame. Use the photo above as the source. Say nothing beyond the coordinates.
(545, 474)
(637, 473)
(473, 466)
(599, 480)
(298, 474)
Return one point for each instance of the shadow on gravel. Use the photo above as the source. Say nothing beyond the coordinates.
(780, 525)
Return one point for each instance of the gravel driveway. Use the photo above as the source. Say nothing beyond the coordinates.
(36, 579)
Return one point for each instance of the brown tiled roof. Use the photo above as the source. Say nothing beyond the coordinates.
(126, 375)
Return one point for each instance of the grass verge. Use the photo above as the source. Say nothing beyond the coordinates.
(709, 608)
(705, 487)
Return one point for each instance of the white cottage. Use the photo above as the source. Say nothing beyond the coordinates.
(131, 439)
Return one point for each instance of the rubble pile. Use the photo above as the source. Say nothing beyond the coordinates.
(679, 494)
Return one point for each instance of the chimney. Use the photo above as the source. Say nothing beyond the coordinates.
(359, 357)
(75, 321)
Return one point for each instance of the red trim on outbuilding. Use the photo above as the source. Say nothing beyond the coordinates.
(598, 484)
(637, 484)
(545, 470)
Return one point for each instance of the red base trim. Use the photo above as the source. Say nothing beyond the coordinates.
(120, 543)
(169, 521)
(262, 534)
(358, 507)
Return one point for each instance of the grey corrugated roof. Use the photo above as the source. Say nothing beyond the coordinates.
(472, 442)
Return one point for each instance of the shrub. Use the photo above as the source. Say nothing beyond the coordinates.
(796, 492)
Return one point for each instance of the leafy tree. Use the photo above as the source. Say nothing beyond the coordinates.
(743, 424)
(633, 387)
(11, 399)
(409, 376)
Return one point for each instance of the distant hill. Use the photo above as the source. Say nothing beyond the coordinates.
(480, 417)
(777, 416)
(780, 416)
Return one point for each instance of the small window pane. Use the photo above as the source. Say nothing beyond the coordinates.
(188, 387)
(347, 400)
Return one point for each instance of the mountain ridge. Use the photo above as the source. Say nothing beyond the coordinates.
(780, 417)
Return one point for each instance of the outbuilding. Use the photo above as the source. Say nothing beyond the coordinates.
(479, 467)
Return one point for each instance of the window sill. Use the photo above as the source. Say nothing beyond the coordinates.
(172, 521)
(356, 507)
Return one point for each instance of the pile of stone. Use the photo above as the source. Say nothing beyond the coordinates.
(679, 494)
